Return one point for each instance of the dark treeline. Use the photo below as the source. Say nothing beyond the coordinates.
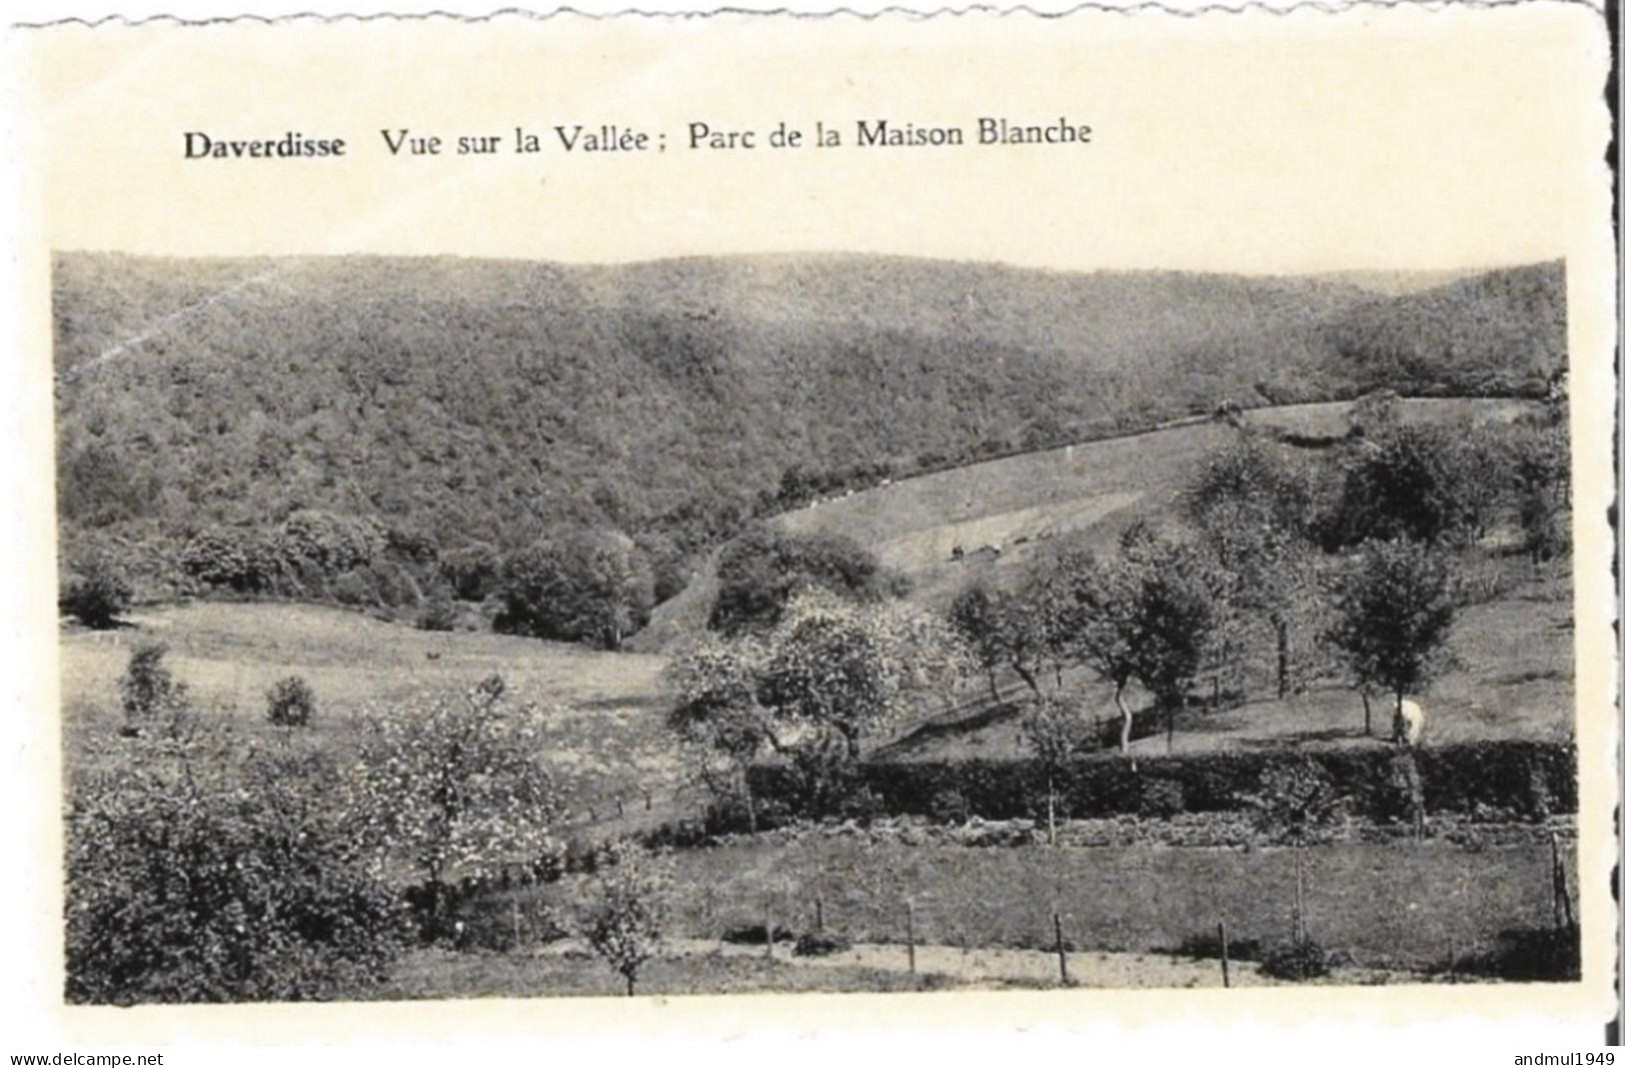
(421, 433)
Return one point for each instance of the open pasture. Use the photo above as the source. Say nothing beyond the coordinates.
(605, 711)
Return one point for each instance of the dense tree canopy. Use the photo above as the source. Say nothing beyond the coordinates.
(591, 586)
(1394, 614)
(820, 687)
(473, 402)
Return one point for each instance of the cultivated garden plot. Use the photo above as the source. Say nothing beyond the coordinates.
(568, 641)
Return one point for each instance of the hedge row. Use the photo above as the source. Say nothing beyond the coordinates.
(1523, 779)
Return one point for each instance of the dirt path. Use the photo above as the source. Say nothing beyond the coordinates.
(998, 966)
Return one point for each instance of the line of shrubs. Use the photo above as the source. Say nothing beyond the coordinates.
(1527, 780)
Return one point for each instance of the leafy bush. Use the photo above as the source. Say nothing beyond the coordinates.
(755, 934)
(352, 588)
(98, 595)
(1161, 798)
(626, 916)
(235, 559)
(147, 688)
(1295, 961)
(290, 702)
(438, 615)
(329, 542)
(473, 571)
(183, 889)
(949, 806)
(1206, 946)
(504, 922)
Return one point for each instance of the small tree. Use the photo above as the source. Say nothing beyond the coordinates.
(147, 688)
(1101, 623)
(1146, 615)
(97, 595)
(625, 918)
(290, 702)
(1003, 629)
(1540, 488)
(853, 672)
(1254, 512)
(1175, 615)
(1296, 804)
(717, 713)
(1057, 737)
(1393, 619)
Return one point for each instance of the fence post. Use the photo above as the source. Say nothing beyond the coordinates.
(1224, 954)
(514, 903)
(767, 927)
(1060, 946)
(1562, 908)
(818, 915)
(911, 970)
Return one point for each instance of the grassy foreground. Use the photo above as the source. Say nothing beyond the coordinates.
(1384, 905)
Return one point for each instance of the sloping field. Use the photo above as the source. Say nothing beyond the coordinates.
(603, 711)
(1409, 905)
(998, 512)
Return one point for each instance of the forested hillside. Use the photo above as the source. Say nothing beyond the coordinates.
(455, 406)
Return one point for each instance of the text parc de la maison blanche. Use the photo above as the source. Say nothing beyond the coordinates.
(697, 136)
